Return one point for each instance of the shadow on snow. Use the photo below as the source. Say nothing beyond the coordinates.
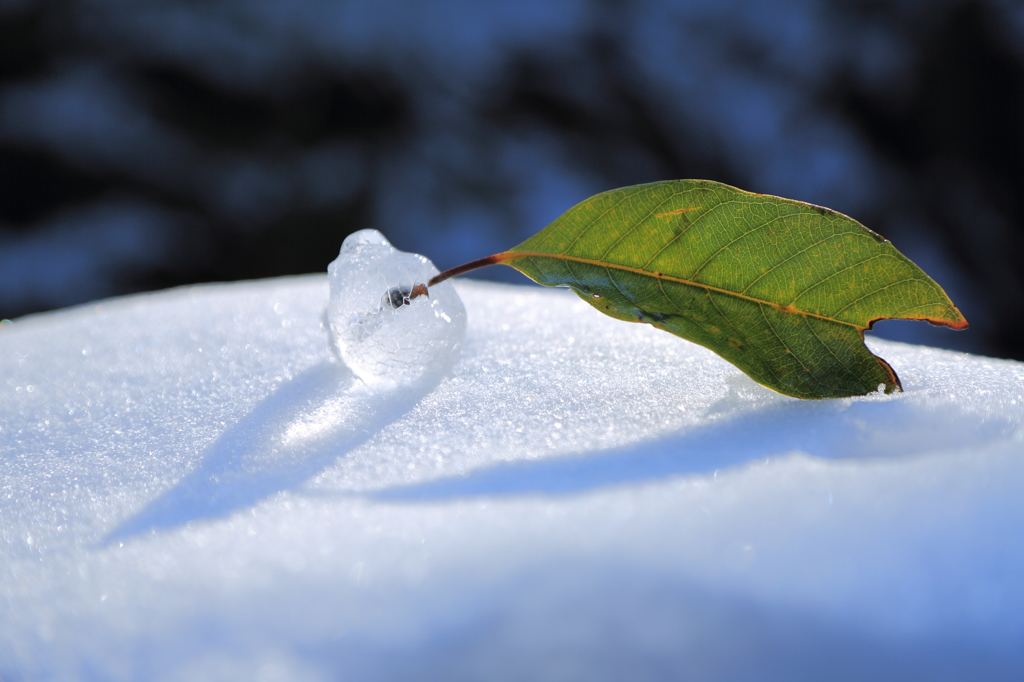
(826, 429)
(296, 432)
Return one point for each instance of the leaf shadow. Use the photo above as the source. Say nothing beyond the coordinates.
(296, 432)
(869, 428)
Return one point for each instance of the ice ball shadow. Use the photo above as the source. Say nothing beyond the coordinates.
(394, 341)
(854, 429)
(296, 432)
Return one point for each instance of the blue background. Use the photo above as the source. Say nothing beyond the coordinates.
(149, 144)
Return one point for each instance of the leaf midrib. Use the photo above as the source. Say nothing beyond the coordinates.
(515, 255)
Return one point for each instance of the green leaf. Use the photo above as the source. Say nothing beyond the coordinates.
(782, 289)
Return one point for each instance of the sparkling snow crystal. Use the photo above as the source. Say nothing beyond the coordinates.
(384, 324)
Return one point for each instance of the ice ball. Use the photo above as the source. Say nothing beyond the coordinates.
(383, 321)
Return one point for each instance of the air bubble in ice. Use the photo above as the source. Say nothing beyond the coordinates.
(383, 322)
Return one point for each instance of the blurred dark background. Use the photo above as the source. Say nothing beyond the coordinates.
(149, 144)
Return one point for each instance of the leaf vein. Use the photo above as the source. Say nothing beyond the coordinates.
(835, 274)
(723, 247)
(685, 231)
(595, 221)
(661, 285)
(786, 345)
(513, 255)
(831, 352)
(875, 291)
(636, 225)
(752, 346)
(611, 278)
(783, 262)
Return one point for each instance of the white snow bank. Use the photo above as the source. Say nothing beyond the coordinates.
(188, 491)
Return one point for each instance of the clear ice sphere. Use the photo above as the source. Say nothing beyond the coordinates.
(383, 322)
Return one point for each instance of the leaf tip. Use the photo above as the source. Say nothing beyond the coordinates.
(950, 318)
(955, 321)
(959, 324)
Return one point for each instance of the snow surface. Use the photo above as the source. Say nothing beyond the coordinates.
(191, 487)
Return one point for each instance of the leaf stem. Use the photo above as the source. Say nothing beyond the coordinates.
(468, 267)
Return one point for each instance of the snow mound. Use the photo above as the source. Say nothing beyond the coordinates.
(193, 487)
